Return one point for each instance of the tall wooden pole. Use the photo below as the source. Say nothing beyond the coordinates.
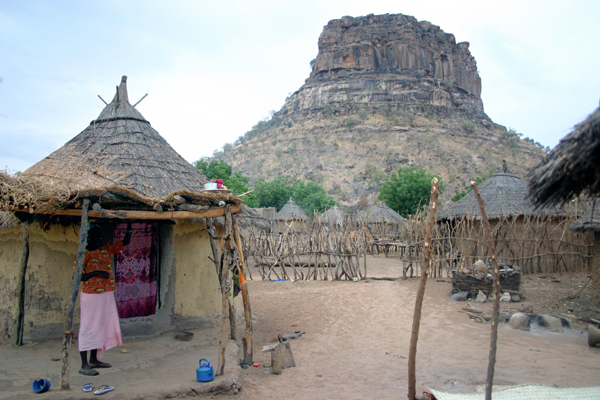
(83, 235)
(496, 284)
(414, 337)
(226, 287)
(247, 339)
(21, 286)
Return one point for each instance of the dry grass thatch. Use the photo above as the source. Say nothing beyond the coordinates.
(504, 195)
(333, 216)
(590, 221)
(381, 213)
(118, 159)
(571, 168)
(291, 212)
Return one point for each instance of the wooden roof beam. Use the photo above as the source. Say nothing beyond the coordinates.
(213, 212)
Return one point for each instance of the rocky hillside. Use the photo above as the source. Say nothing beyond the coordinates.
(385, 91)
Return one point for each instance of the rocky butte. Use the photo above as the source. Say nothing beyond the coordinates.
(385, 91)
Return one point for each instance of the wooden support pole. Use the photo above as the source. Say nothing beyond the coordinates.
(247, 339)
(213, 245)
(83, 235)
(414, 337)
(21, 286)
(496, 285)
(226, 287)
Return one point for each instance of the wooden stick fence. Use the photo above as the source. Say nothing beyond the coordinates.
(536, 244)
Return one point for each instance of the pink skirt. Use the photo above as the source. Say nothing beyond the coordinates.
(99, 323)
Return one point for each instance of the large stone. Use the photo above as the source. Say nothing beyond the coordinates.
(519, 321)
(549, 322)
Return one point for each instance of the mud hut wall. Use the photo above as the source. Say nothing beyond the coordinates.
(47, 281)
(197, 294)
(10, 260)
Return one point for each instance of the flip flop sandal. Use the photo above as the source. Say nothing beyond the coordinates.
(89, 372)
(103, 389)
(88, 387)
(101, 365)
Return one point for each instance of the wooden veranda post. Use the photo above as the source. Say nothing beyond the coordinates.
(226, 287)
(247, 339)
(68, 338)
(496, 284)
(414, 337)
(21, 286)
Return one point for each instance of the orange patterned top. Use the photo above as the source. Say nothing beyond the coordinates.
(100, 260)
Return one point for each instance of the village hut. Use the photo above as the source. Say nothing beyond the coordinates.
(573, 168)
(334, 216)
(291, 218)
(382, 221)
(513, 217)
(129, 174)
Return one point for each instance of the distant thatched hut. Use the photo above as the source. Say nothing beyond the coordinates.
(512, 216)
(334, 216)
(383, 222)
(291, 217)
(119, 163)
(573, 168)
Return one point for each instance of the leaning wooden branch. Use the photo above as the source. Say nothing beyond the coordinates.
(21, 286)
(421, 291)
(496, 309)
(83, 234)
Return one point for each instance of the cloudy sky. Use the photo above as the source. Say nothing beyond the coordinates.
(212, 69)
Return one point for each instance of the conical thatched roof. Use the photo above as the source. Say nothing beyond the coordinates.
(119, 149)
(291, 212)
(248, 218)
(333, 216)
(381, 213)
(504, 195)
(571, 168)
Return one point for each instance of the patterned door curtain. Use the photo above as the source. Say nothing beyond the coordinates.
(136, 271)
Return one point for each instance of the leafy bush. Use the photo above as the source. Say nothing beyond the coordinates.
(363, 114)
(441, 36)
(409, 190)
(219, 169)
(468, 126)
(328, 111)
(449, 85)
(350, 122)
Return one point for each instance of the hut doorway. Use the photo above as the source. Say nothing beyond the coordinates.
(137, 272)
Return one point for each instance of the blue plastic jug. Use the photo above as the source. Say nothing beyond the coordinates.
(205, 373)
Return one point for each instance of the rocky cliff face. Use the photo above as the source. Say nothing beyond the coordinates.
(386, 91)
(390, 61)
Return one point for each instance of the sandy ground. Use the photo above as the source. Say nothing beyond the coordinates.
(358, 333)
(355, 346)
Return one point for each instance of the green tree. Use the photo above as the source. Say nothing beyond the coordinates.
(409, 190)
(219, 169)
(311, 196)
(274, 193)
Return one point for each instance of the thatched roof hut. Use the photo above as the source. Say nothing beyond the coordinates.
(291, 217)
(380, 213)
(504, 195)
(129, 173)
(291, 212)
(118, 157)
(571, 168)
(333, 216)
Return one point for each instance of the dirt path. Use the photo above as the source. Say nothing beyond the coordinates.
(357, 338)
